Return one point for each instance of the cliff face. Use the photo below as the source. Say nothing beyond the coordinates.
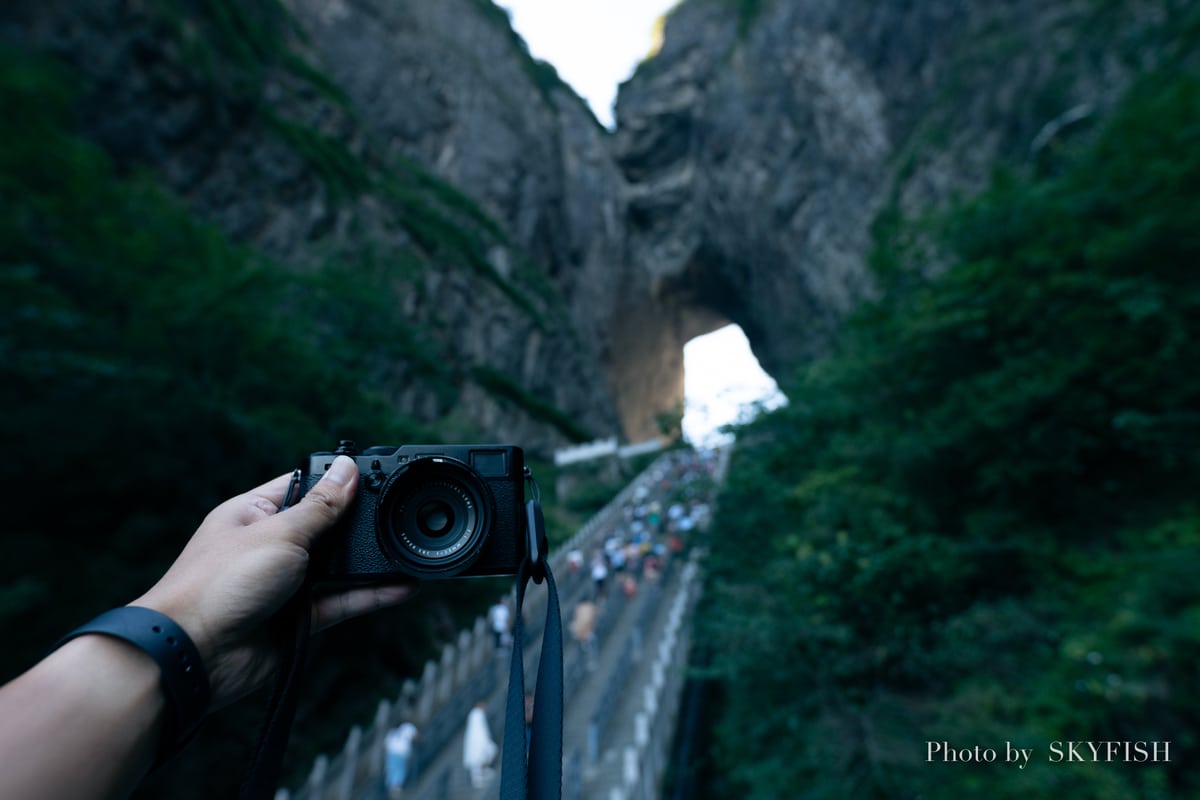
(752, 157)
(546, 270)
(760, 152)
(449, 86)
(411, 142)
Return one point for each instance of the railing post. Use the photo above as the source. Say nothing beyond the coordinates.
(445, 682)
(462, 665)
(345, 784)
(406, 702)
(630, 767)
(425, 692)
(316, 778)
(373, 752)
(481, 650)
(641, 729)
(593, 743)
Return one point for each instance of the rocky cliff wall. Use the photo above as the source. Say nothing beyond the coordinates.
(412, 140)
(547, 272)
(762, 145)
(753, 155)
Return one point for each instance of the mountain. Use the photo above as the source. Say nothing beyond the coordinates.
(553, 268)
(233, 232)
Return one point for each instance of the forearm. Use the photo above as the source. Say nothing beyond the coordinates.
(82, 723)
(87, 721)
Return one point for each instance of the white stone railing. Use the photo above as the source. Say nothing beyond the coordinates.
(604, 447)
(644, 762)
(586, 451)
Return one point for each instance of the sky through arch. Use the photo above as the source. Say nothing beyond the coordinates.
(723, 384)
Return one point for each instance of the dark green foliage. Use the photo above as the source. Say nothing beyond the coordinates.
(448, 197)
(137, 347)
(503, 386)
(977, 521)
(150, 369)
(343, 173)
(449, 226)
(747, 12)
(231, 45)
(591, 496)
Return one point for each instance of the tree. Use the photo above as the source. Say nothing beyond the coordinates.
(973, 521)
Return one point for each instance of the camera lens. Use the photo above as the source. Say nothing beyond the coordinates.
(433, 516)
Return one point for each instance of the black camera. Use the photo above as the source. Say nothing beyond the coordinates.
(432, 511)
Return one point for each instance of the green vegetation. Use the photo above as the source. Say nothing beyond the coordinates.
(447, 225)
(232, 47)
(345, 175)
(503, 386)
(977, 522)
(152, 368)
(747, 12)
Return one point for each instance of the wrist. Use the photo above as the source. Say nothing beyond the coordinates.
(180, 607)
(182, 679)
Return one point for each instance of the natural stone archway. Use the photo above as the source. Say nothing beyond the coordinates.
(646, 361)
(647, 369)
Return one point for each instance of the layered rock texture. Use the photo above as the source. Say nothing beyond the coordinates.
(546, 272)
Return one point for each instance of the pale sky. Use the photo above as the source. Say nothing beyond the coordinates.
(595, 45)
(722, 382)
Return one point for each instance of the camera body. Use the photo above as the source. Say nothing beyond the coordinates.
(430, 511)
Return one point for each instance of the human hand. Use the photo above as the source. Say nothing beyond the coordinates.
(243, 564)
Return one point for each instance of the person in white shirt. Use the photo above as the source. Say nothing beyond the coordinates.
(498, 617)
(479, 749)
(599, 574)
(398, 748)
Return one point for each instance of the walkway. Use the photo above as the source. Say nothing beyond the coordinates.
(624, 660)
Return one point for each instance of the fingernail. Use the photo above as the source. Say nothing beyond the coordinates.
(342, 471)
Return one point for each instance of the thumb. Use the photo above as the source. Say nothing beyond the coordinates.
(321, 507)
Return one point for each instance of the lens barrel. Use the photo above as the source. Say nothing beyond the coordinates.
(433, 516)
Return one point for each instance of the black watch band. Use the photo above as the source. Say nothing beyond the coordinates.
(184, 680)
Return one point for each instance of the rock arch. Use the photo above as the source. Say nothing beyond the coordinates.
(648, 335)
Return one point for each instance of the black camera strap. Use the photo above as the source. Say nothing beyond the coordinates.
(262, 773)
(538, 774)
(535, 774)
